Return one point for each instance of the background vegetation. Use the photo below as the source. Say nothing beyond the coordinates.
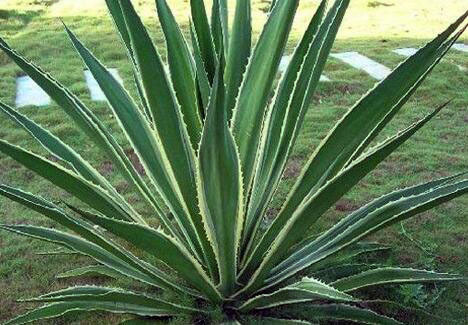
(434, 240)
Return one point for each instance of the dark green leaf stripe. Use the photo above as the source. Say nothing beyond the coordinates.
(204, 86)
(219, 25)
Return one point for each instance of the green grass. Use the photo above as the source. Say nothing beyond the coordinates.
(433, 240)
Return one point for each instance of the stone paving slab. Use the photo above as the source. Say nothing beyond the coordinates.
(284, 65)
(409, 51)
(95, 91)
(359, 61)
(29, 93)
(460, 47)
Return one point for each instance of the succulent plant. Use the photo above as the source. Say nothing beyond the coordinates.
(214, 144)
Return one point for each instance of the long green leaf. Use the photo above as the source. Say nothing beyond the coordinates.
(306, 290)
(284, 119)
(90, 270)
(219, 26)
(204, 37)
(182, 73)
(293, 230)
(343, 312)
(240, 44)
(87, 121)
(146, 144)
(380, 104)
(62, 151)
(95, 294)
(424, 316)
(313, 178)
(97, 253)
(359, 224)
(256, 87)
(175, 146)
(220, 186)
(204, 86)
(391, 275)
(279, 321)
(110, 251)
(119, 21)
(74, 184)
(346, 255)
(342, 271)
(351, 251)
(110, 300)
(164, 248)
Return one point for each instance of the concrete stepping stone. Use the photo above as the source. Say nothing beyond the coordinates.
(359, 61)
(409, 51)
(284, 65)
(29, 93)
(96, 93)
(460, 47)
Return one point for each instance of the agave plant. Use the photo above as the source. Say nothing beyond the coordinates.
(214, 144)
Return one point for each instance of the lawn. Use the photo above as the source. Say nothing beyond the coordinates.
(435, 240)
